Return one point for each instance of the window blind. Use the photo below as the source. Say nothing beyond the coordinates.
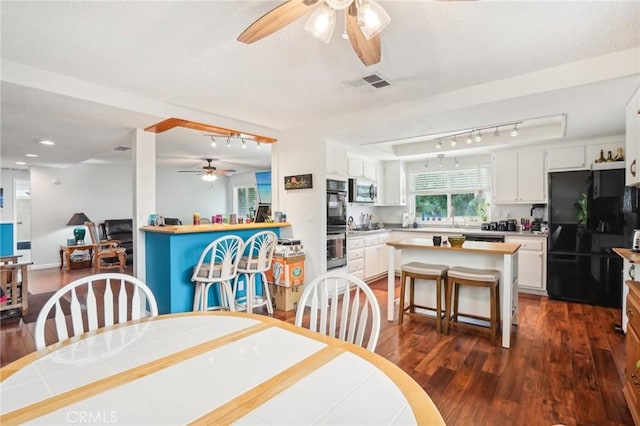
(452, 180)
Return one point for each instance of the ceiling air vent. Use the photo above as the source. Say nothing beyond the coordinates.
(122, 148)
(368, 83)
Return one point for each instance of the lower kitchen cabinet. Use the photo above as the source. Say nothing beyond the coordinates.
(532, 264)
(375, 255)
(631, 385)
(355, 256)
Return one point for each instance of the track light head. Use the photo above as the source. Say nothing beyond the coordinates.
(213, 142)
(479, 136)
(514, 132)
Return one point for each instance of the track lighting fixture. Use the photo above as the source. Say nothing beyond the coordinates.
(475, 134)
(479, 136)
(514, 132)
(439, 144)
(469, 139)
(426, 163)
(213, 142)
(456, 162)
(454, 141)
(258, 145)
(228, 142)
(496, 134)
(244, 144)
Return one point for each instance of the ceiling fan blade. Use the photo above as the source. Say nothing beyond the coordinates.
(222, 172)
(276, 19)
(189, 171)
(367, 50)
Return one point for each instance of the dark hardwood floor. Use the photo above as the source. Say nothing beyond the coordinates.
(565, 366)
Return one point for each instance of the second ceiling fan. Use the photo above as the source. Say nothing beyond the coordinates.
(364, 19)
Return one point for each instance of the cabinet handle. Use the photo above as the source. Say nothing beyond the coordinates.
(629, 313)
(632, 168)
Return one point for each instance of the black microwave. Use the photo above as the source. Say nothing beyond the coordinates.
(362, 191)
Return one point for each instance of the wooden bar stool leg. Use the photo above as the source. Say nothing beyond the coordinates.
(403, 279)
(447, 303)
(438, 281)
(456, 294)
(412, 292)
(493, 315)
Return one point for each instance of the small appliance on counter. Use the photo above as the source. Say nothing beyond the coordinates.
(636, 240)
(502, 225)
(405, 220)
(493, 226)
(485, 226)
(512, 225)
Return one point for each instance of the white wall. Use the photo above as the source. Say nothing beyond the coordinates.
(181, 194)
(100, 191)
(295, 153)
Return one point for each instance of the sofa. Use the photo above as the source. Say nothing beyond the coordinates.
(121, 230)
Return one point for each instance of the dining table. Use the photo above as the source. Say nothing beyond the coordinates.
(209, 368)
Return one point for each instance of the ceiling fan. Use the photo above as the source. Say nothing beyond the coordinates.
(364, 21)
(208, 173)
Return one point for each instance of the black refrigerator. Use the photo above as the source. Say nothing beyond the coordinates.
(590, 212)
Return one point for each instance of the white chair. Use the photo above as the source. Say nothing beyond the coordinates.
(218, 264)
(99, 292)
(346, 314)
(259, 248)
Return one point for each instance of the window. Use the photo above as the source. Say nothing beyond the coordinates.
(245, 201)
(445, 193)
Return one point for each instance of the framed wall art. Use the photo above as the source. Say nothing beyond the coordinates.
(298, 182)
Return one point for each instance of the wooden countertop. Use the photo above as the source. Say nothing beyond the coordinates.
(212, 227)
(467, 246)
(628, 254)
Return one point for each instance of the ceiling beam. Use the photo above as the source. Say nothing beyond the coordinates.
(170, 123)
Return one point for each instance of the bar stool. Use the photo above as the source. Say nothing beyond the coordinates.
(422, 271)
(486, 278)
(260, 248)
(218, 264)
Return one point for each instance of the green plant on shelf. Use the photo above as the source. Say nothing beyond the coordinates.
(582, 213)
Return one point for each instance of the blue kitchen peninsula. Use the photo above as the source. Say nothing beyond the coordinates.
(173, 251)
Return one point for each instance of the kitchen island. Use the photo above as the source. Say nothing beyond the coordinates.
(173, 251)
(500, 256)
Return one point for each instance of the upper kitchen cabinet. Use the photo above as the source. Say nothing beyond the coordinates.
(337, 164)
(392, 184)
(632, 140)
(519, 176)
(362, 168)
(566, 158)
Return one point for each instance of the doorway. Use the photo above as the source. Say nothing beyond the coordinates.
(23, 218)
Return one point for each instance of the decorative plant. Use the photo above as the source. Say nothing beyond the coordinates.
(581, 210)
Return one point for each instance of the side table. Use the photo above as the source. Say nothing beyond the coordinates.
(68, 250)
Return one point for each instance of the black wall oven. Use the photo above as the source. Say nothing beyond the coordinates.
(336, 223)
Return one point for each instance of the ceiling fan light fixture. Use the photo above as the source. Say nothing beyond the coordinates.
(339, 4)
(321, 23)
(372, 18)
(209, 177)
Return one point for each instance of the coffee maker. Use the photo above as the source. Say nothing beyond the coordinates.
(537, 212)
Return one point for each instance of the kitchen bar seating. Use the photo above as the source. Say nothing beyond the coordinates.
(259, 248)
(488, 278)
(218, 264)
(422, 271)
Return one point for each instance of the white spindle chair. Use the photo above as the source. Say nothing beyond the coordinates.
(342, 306)
(259, 248)
(218, 264)
(143, 303)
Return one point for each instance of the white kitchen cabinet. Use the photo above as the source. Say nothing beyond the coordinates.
(337, 164)
(567, 158)
(632, 140)
(375, 255)
(532, 264)
(363, 168)
(519, 176)
(392, 184)
(355, 256)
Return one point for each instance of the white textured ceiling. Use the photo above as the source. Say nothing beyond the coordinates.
(185, 53)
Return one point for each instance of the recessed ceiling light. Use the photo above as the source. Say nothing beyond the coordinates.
(21, 163)
(47, 142)
(31, 155)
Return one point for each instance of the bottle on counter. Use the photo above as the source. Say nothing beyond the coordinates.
(601, 159)
(196, 218)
